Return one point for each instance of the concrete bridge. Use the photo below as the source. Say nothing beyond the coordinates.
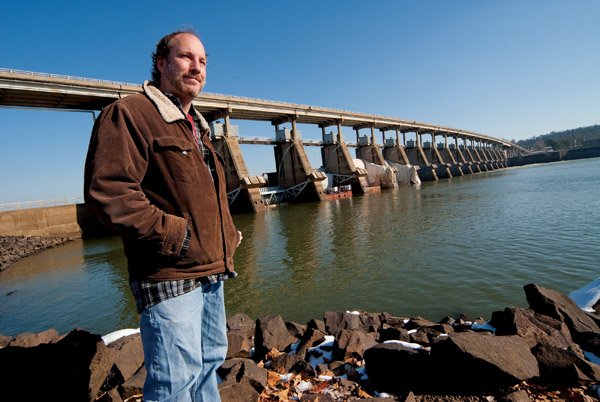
(435, 151)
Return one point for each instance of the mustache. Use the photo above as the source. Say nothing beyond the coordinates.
(194, 77)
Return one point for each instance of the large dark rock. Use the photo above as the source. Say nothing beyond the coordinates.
(517, 396)
(242, 391)
(311, 338)
(5, 340)
(393, 365)
(392, 333)
(418, 322)
(28, 339)
(240, 333)
(534, 328)
(560, 366)
(243, 381)
(271, 333)
(241, 322)
(480, 360)
(72, 369)
(338, 321)
(128, 356)
(351, 344)
(295, 329)
(582, 327)
(316, 324)
(283, 363)
(134, 385)
(239, 344)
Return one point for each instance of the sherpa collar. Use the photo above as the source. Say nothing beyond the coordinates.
(167, 109)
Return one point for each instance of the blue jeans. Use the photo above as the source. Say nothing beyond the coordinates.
(185, 342)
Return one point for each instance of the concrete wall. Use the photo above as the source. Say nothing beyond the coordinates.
(555, 156)
(59, 221)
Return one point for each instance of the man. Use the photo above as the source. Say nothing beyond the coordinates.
(152, 173)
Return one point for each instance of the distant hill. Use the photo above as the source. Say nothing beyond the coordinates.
(563, 139)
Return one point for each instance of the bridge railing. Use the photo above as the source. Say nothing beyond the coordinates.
(61, 76)
(13, 206)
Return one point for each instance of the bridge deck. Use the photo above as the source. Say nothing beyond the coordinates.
(35, 90)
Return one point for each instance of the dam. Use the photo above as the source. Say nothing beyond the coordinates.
(388, 151)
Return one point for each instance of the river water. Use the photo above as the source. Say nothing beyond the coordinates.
(465, 245)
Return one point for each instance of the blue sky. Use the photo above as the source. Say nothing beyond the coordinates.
(510, 69)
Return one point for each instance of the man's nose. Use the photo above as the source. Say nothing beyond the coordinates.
(195, 66)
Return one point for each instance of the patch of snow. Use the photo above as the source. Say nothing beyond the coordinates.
(328, 342)
(353, 312)
(113, 336)
(285, 377)
(383, 395)
(409, 345)
(362, 371)
(294, 348)
(303, 386)
(321, 353)
(484, 327)
(587, 296)
(591, 357)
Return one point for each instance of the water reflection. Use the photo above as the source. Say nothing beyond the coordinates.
(467, 244)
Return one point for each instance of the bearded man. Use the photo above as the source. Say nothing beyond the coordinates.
(152, 173)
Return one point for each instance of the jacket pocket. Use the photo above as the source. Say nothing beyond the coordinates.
(178, 158)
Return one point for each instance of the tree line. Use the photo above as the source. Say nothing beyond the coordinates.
(567, 139)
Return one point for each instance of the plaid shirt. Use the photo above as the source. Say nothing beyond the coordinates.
(148, 293)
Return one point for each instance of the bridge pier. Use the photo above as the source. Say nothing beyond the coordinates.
(456, 156)
(293, 167)
(442, 168)
(417, 157)
(465, 165)
(393, 151)
(499, 157)
(481, 162)
(243, 190)
(488, 158)
(433, 156)
(466, 152)
(444, 151)
(367, 149)
(337, 161)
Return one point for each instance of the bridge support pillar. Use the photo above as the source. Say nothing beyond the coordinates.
(443, 168)
(394, 151)
(367, 149)
(337, 161)
(455, 152)
(416, 156)
(242, 188)
(455, 166)
(293, 166)
(466, 166)
(476, 157)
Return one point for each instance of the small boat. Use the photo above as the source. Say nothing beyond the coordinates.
(334, 193)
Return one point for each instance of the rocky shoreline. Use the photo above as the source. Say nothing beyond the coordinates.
(13, 248)
(542, 353)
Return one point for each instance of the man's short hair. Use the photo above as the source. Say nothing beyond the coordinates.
(163, 48)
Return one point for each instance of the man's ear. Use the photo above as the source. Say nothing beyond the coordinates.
(160, 63)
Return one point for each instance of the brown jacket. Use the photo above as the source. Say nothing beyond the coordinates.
(145, 176)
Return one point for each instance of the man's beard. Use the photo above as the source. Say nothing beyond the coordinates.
(176, 77)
